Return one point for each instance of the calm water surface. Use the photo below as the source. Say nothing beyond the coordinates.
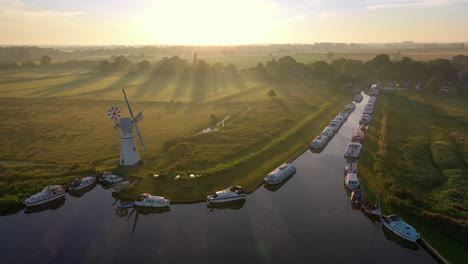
(308, 219)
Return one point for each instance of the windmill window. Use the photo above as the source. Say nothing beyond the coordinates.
(134, 149)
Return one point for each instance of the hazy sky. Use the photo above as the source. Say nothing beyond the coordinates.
(89, 22)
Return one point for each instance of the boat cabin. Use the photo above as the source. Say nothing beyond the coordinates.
(358, 136)
(352, 181)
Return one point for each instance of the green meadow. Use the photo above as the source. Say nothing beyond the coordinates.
(418, 164)
(54, 127)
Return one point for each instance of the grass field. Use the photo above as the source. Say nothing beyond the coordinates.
(420, 166)
(58, 122)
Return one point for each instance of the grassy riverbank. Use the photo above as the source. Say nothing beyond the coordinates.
(415, 156)
(54, 128)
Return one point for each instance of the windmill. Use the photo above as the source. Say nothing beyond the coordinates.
(128, 150)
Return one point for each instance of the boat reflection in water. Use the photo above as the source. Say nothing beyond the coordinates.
(389, 235)
(233, 205)
(52, 205)
(138, 210)
(276, 187)
(81, 192)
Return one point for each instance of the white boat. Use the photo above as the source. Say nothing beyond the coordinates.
(365, 119)
(230, 194)
(319, 142)
(335, 123)
(49, 193)
(372, 99)
(340, 118)
(280, 173)
(351, 181)
(358, 97)
(351, 167)
(147, 200)
(108, 177)
(353, 150)
(344, 115)
(368, 111)
(400, 228)
(78, 184)
(328, 132)
(369, 106)
(350, 107)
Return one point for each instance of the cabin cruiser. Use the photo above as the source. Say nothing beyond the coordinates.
(78, 184)
(351, 167)
(49, 193)
(344, 115)
(319, 142)
(328, 132)
(358, 136)
(340, 118)
(353, 150)
(368, 111)
(280, 173)
(358, 97)
(147, 200)
(365, 119)
(351, 181)
(108, 177)
(350, 107)
(372, 99)
(399, 227)
(363, 127)
(369, 105)
(230, 194)
(335, 123)
(356, 196)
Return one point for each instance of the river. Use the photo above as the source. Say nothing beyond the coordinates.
(308, 219)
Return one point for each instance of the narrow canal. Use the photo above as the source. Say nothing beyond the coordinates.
(308, 219)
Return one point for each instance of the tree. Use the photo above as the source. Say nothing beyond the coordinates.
(271, 93)
(143, 65)
(330, 55)
(46, 60)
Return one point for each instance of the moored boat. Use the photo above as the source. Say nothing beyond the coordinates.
(351, 181)
(356, 196)
(328, 132)
(230, 194)
(350, 107)
(351, 167)
(399, 227)
(371, 209)
(49, 193)
(358, 97)
(319, 142)
(147, 200)
(108, 177)
(358, 136)
(353, 150)
(78, 184)
(280, 173)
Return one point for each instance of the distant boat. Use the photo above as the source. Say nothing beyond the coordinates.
(350, 107)
(356, 196)
(147, 200)
(399, 227)
(78, 184)
(280, 173)
(358, 97)
(358, 136)
(351, 181)
(230, 194)
(319, 142)
(108, 177)
(353, 150)
(372, 209)
(351, 167)
(48, 194)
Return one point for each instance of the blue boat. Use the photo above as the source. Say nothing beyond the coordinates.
(400, 228)
(127, 205)
(356, 196)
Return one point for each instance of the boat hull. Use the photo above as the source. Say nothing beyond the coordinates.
(225, 200)
(44, 201)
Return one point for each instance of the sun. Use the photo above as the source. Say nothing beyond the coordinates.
(206, 22)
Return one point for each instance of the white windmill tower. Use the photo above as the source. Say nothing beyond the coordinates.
(128, 150)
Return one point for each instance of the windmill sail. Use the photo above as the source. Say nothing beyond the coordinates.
(139, 117)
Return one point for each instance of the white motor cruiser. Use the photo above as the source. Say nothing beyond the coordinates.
(350, 107)
(108, 177)
(78, 184)
(365, 119)
(230, 194)
(351, 181)
(280, 173)
(335, 123)
(399, 227)
(328, 132)
(319, 142)
(351, 167)
(49, 193)
(148, 200)
(358, 97)
(344, 115)
(353, 150)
